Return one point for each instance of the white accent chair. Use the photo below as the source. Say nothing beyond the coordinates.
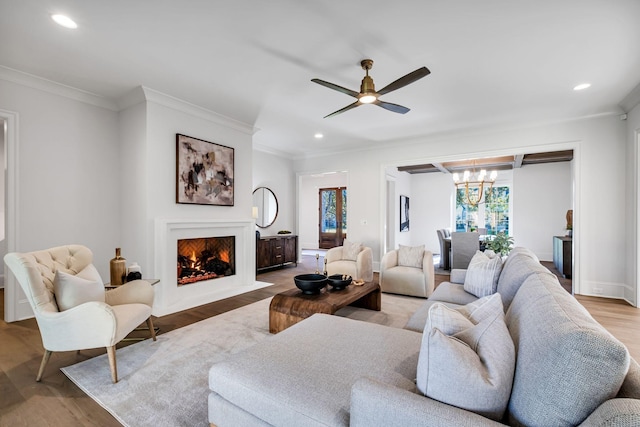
(91, 324)
(361, 268)
(404, 280)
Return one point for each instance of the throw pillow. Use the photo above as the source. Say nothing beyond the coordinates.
(410, 256)
(71, 290)
(467, 357)
(483, 274)
(350, 250)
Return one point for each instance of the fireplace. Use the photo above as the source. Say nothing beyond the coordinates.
(170, 297)
(206, 258)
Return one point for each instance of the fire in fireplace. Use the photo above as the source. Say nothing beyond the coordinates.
(205, 259)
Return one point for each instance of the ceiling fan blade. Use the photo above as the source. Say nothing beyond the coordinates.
(392, 107)
(405, 80)
(342, 110)
(336, 87)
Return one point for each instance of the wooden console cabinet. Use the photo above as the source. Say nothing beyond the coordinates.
(562, 254)
(276, 251)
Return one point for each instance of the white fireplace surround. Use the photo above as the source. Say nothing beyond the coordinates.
(169, 297)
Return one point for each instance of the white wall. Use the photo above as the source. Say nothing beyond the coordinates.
(67, 177)
(68, 172)
(402, 187)
(276, 173)
(599, 222)
(309, 207)
(542, 194)
(133, 143)
(431, 207)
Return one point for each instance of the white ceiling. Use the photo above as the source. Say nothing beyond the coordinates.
(492, 62)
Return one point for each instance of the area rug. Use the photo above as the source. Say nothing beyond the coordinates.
(164, 383)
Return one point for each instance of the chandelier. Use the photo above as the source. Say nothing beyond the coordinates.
(471, 180)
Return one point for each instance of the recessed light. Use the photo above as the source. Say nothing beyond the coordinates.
(65, 21)
(582, 86)
(318, 135)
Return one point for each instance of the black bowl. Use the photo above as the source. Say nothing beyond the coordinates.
(339, 281)
(310, 284)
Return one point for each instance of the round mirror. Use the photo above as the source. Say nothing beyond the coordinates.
(267, 204)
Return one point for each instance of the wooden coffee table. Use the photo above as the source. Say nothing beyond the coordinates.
(289, 307)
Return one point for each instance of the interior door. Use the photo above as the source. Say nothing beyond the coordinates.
(332, 217)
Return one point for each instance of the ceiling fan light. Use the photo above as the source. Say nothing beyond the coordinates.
(65, 21)
(582, 86)
(368, 99)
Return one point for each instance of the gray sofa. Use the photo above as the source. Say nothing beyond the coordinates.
(333, 371)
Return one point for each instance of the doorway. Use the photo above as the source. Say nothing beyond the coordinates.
(332, 222)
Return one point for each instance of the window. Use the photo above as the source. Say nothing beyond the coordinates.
(492, 213)
(496, 210)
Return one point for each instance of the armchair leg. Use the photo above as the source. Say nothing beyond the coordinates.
(45, 359)
(151, 328)
(111, 352)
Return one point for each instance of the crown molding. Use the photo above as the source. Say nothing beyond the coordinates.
(172, 102)
(133, 97)
(39, 83)
(631, 100)
(270, 150)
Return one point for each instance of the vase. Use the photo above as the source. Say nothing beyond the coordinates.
(118, 269)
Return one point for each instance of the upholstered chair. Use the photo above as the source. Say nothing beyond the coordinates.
(445, 246)
(71, 306)
(463, 248)
(408, 271)
(352, 259)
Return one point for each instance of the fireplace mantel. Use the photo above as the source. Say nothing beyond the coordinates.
(171, 298)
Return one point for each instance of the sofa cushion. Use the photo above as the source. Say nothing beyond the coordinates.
(482, 274)
(467, 357)
(350, 250)
(410, 256)
(72, 290)
(518, 266)
(418, 319)
(303, 375)
(567, 363)
(452, 292)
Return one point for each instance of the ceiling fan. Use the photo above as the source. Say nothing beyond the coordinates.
(368, 94)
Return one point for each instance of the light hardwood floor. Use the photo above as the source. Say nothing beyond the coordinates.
(56, 401)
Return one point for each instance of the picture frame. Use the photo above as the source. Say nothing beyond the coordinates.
(204, 172)
(404, 214)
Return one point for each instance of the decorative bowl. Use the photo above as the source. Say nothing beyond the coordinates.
(339, 281)
(310, 284)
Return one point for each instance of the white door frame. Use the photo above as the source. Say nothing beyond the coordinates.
(13, 303)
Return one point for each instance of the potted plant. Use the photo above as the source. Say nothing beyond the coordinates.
(501, 244)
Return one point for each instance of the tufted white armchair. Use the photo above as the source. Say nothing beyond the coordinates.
(89, 325)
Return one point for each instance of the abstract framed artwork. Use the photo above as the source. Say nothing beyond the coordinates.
(204, 172)
(404, 213)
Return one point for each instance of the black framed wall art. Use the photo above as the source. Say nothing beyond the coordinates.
(204, 172)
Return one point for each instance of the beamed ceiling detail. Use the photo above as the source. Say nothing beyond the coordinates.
(491, 163)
